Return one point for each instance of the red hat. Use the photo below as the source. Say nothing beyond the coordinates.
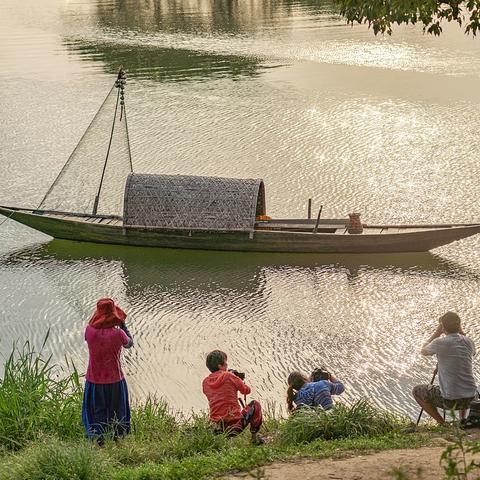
(107, 314)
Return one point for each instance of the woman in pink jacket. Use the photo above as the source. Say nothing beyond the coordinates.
(105, 401)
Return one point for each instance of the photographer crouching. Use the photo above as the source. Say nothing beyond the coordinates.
(454, 354)
(221, 388)
(315, 391)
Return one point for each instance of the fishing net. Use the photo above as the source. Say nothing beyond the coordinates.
(92, 180)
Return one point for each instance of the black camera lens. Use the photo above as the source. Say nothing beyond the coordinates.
(319, 374)
(238, 374)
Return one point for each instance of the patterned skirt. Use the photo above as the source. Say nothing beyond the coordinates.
(105, 410)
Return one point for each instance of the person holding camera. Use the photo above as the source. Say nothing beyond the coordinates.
(454, 353)
(221, 388)
(105, 408)
(314, 392)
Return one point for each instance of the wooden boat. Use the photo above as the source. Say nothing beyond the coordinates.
(268, 236)
(213, 213)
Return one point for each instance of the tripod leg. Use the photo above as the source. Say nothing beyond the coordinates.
(431, 383)
(419, 416)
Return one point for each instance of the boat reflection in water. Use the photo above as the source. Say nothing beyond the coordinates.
(205, 272)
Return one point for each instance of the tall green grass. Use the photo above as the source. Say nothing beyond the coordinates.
(342, 421)
(185, 438)
(35, 399)
(54, 459)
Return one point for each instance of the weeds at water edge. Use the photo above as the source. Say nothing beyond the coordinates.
(342, 421)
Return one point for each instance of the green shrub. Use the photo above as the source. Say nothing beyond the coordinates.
(197, 437)
(460, 459)
(34, 400)
(187, 437)
(53, 459)
(273, 416)
(342, 421)
(153, 420)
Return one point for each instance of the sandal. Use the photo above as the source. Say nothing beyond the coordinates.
(470, 423)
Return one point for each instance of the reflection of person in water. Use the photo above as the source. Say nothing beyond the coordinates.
(105, 400)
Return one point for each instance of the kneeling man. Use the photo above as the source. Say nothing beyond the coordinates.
(454, 354)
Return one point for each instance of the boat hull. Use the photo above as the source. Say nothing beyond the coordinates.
(410, 240)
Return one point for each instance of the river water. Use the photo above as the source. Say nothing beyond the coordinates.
(281, 90)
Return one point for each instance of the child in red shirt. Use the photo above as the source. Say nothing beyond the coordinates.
(221, 388)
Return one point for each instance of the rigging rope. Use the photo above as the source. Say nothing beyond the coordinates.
(128, 139)
(6, 218)
(95, 205)
(120, 85)
(63, 187)
(73, 152)
(91, 181)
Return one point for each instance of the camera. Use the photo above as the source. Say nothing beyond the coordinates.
(320, 374)
(238, 374)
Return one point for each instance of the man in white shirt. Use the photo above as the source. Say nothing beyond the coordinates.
(454, 354)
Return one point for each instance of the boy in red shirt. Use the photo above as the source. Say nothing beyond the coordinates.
(221, 388)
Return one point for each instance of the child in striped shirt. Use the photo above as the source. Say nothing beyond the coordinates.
(302, 392)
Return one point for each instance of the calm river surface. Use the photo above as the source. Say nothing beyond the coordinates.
(281, 90)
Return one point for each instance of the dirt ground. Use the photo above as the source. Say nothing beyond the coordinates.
(421, 463)
(416, 464)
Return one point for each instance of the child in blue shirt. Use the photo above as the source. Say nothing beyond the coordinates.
(303, 392)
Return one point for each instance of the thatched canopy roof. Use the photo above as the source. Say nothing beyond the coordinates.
(181, 202)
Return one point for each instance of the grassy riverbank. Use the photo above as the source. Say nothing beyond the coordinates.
(41, 436)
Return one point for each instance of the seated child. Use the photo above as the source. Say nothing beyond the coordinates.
(221, 388)
(302, 392)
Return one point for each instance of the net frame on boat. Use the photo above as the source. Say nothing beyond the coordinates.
(184, 202)
(91, 180)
